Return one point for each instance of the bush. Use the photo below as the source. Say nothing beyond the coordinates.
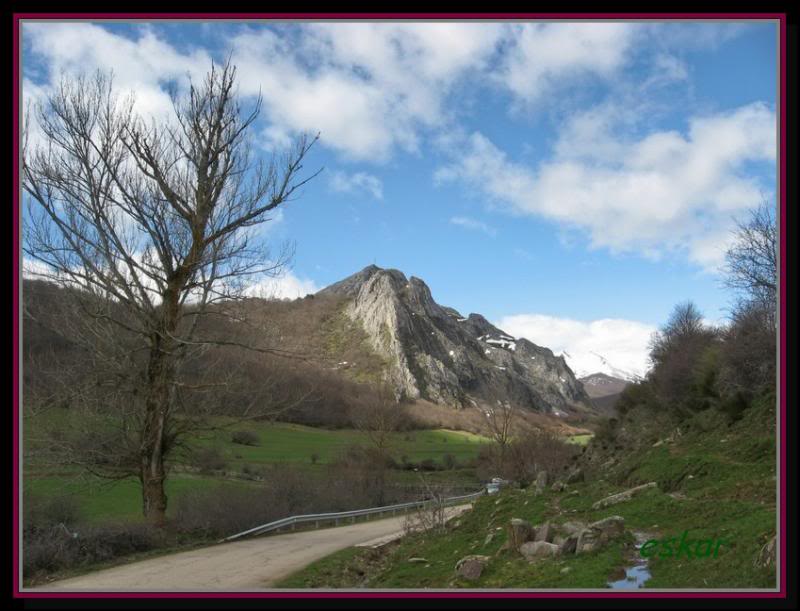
(44, 513)
(46, 550)
(209, 460)
(734, 407)
(245, 438)
(449, 461)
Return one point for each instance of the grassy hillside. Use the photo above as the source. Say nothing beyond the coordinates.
(715, 479)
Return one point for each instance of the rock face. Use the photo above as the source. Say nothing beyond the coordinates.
(437, 354)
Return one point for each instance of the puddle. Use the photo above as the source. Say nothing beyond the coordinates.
(637, 573)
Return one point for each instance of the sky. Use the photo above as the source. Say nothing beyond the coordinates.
(570, 181)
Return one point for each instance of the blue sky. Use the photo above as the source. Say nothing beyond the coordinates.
(570, 181)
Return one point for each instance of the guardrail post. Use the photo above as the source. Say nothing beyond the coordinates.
(292, 525)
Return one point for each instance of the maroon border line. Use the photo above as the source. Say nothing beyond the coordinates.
(781, 17)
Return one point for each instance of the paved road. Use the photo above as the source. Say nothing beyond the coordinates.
(242, 565)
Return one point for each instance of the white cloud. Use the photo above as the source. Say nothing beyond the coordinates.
(475, 225)
(143, 66)
(622, 343)
(662, 192)
(360, 182)
(546, 56)
(285, 286)
(369, 88)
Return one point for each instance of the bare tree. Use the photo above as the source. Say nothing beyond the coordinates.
(501, 420)
(751, 263)
(150, 226)
(379, 419)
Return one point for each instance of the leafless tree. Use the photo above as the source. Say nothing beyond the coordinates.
(379, 419)
(751, 263)
(433, 514)
(149, 225)
(501, 420)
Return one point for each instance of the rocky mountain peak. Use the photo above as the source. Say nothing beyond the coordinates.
(435, 353)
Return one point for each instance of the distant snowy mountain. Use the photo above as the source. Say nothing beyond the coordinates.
(591, 362)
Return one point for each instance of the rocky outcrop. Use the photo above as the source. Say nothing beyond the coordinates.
(621, 497)
(435, 353)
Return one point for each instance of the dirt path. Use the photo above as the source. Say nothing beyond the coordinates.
(242, 565)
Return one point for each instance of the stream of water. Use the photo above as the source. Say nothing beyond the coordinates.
(636, 574)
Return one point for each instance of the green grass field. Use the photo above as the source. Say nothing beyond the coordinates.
(278, 443)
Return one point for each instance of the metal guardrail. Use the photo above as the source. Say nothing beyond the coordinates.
(336, 516)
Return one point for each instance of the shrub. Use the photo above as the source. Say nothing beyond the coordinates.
(44, 513)
(209, 460)
(46, 550)
(449, 461)
(245, 438)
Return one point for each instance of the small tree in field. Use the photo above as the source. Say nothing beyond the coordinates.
(149, 228)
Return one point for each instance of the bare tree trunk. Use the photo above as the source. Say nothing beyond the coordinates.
(161, 371)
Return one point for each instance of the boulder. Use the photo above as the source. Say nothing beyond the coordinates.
(538, 549)
(573, 528)
(519, 532)
(471, 567)
(610, 527)
(587, 541)
(558, 487)
(545, 533)
(622, 496)
(568, 545)
(418, 560)
(766, 555)
(598, 533)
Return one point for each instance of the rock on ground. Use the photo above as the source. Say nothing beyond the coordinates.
(622, 496)
(766, 555)
(538, 549)
(598, 533)
(545, 533)
(519, 532)
(471, 567)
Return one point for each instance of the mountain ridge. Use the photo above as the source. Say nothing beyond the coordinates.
(436, 353)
